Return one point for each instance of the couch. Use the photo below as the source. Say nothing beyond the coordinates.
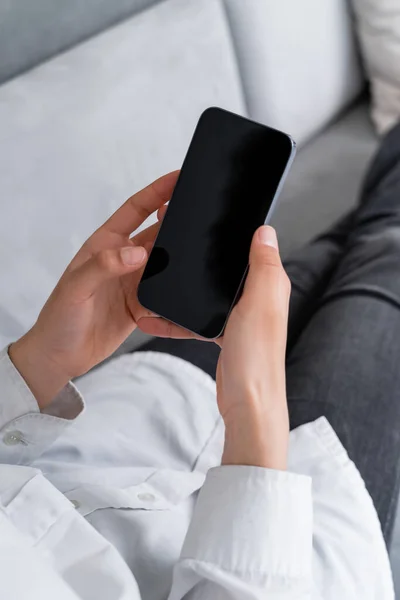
(97, 98)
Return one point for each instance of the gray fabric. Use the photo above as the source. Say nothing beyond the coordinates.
(32, 31)
(345, 363)
(325, 178)
(297, 72)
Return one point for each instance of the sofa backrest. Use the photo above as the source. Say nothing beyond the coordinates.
(32, 31)
(298, 61)
(83, 131)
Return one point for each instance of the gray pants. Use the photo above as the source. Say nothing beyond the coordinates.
(343, 357)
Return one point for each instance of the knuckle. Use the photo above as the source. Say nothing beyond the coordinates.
(269, 291)
(63, 286)
(87, 244)
(140, 210)
(269, 257)
(88, 247)
(106, 261)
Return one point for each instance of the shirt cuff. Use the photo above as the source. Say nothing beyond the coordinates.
(25, 432)
(254, 522)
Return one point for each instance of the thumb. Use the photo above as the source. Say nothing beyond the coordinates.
(267, 286)
(103, 266)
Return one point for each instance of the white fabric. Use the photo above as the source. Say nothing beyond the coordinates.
(379, 30)
(84, 131)
(132, 463)
(298, 61)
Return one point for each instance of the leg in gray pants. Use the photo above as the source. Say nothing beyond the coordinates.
(345, 363)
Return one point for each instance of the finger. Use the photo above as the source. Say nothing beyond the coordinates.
(146, 238)
(147, 235)
(140, 206)
(159, 327)
(148, 246)
(103, 266)
(267, 286)
(161, 212)
(162, 328)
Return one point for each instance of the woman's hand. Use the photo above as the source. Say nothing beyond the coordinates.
(251, 378)
(251, 390)
(94, 306)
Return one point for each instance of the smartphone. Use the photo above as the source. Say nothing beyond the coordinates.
(229, 182)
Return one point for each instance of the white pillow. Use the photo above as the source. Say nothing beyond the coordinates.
(82, 132)
(379, 31)
(298, 61)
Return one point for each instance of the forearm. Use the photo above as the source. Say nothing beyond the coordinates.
(42, 375)
(256, 435)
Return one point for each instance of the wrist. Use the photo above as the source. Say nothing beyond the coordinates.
(43, 376)
(257, 435)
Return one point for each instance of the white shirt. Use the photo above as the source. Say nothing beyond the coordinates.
(100, 500)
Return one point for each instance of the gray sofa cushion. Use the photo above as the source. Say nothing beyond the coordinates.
(82, 132)
(298, 61)
(33, 30)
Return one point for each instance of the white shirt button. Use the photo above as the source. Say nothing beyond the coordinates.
(146, 497)
(12, 438)
(75, 503)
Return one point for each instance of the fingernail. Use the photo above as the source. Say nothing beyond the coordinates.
(267, 236)
(133, 255)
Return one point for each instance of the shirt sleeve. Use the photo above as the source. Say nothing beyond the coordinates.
(25, 431)
(37, 521)
(24, 573)
(250, 538)
(48, 550)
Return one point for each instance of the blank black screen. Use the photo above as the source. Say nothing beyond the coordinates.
(228, 182)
